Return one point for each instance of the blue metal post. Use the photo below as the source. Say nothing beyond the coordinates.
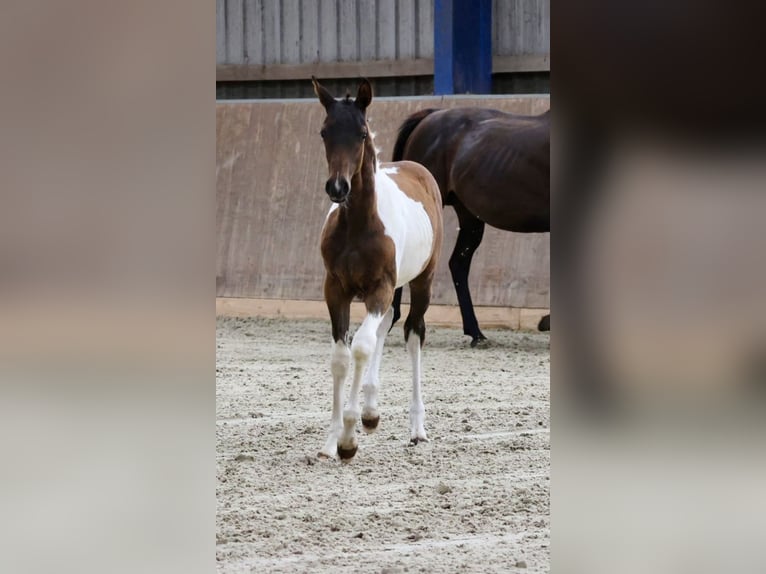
(463, 46)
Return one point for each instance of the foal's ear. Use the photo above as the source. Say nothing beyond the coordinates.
(324, 96)
(363, 95)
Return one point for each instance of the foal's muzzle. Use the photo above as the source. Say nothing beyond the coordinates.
(337, 189)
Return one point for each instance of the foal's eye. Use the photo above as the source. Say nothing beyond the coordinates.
(323, 133)
(363, 135)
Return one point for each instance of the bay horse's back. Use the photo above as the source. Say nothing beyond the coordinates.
(501, 173)
(495, 163)
(430, 138)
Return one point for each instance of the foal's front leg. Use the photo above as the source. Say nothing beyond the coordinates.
(339, 307)
(363, 349)
(371, 381)
(339, 368)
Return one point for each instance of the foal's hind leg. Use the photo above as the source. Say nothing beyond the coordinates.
(414, 335)
(468, 239)
(371, 380)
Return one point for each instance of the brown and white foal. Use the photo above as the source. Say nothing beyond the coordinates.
(383, 230)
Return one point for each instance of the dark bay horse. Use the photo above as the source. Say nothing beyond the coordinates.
(493, 168)
(384, 230)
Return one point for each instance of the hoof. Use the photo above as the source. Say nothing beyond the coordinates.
(416, 440)
(476, 341)
(347, 453)
(544, 324)
(371, 423)
(323, 456)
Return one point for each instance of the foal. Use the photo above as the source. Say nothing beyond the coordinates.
(383, 230)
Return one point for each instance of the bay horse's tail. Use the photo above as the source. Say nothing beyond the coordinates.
(406, 129)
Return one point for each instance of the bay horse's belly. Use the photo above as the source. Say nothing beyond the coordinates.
(505, 189)
(408, 225)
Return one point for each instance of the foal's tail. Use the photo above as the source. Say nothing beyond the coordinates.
(405, 131)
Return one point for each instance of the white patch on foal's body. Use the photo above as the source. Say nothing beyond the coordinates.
(333, 207)
(407, 223)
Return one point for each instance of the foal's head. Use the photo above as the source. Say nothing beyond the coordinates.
(344, 133)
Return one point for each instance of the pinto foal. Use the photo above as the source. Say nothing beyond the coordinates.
(383, 230)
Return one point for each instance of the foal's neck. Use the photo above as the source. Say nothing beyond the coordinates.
(362, 208)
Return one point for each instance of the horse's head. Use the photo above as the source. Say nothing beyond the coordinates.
(344, 133)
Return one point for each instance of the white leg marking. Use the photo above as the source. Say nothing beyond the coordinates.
(417, 409)
(339, 368)
(371, 379)
(363, 348)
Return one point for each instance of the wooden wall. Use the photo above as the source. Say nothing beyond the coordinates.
(271, 204)
(266, 45)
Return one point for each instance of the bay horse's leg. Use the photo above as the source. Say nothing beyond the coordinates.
(397, 305)
(339, 306)
(468, 239)
(363, 349)
(371, 380)
(545, 323)
(415, 335)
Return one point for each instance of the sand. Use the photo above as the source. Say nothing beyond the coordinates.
(473, 499)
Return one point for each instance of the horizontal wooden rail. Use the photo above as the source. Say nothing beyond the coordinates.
(525, 63)
(372, 69)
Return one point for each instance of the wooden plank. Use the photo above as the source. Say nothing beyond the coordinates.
(328, 30)
(437, 315)
(530, 22)
(517, 26)
(220, 31)
(544, 45)
(348, 37)
(367, 44)
(373, 69)
(290, 18)
(522, 63)
(272, 32)
(425, 29)
(235, 36)
(253, 13)
(405, 29)
(309, 31)
(501, 19)
(386, 30)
